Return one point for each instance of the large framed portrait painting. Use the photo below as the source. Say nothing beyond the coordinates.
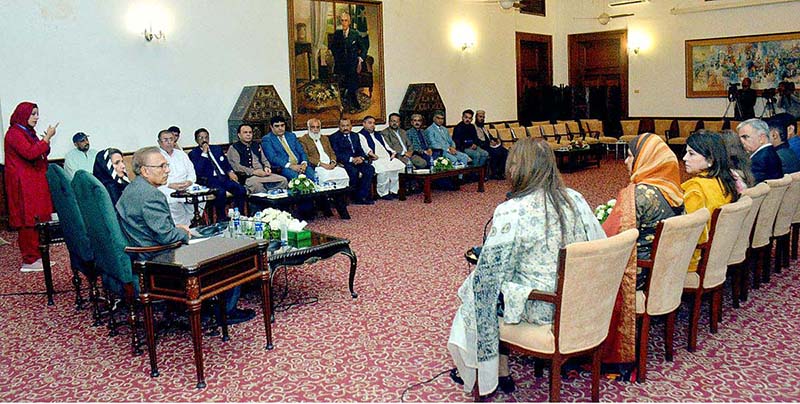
(713, 64)
(336, 60)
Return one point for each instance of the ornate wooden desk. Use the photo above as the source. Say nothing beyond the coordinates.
(197, 272)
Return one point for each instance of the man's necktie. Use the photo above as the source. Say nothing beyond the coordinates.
(292, 157)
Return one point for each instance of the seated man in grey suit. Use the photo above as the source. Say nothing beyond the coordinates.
(145, 217)
(397, 141)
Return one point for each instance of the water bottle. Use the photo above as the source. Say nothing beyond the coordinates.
(236, 223)
(230, 222)
(259, 230)
(284, 232)
(409, 166)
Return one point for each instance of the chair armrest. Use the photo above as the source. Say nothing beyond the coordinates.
(543, 296)
(155, 248)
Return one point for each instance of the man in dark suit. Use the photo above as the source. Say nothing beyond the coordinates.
(144, 216)
(349, 52)
(283, 150)
(214, 171)
(765, 163)
(778, 133)
(398, 142)
(347, 147)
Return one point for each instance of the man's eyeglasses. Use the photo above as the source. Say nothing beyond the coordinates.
(161, 166)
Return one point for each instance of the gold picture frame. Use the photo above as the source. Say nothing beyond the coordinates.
(713, 64)
(334, 75)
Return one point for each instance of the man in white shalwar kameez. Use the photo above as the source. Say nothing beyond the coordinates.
(387, 165)
(181, 176)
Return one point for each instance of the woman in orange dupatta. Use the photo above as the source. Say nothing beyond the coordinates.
(654, 194)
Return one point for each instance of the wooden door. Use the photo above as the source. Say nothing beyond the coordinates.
(598, 62)
(534, 73)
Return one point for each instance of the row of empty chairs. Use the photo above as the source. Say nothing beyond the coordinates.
(739, 245)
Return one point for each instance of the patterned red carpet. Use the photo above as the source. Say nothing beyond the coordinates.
(392, 336)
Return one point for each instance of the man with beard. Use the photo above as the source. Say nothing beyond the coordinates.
(321, 156)
(397, 141)
(497, 153)
(81, 157)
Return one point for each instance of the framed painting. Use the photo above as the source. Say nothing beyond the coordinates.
(336, 61)
(713, 64)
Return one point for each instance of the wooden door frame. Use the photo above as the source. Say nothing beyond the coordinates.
(531, 37)
(622, 35)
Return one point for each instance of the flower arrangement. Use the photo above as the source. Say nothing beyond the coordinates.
(577, 144)
(442, 164)
(602, 212)
(301, 185)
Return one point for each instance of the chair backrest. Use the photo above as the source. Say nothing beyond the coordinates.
(573, 128)
(595, 125)
(534, 131)
(662, 126)
(589, 277)
(80, 250)
(540, 123)
(791, 198)
(518, 132)
(725, 225)
(713, 126)
(505, 135)
(561, 129)
(757, 195)
(630, 127)
(673, 247)
(513, 124)
(733, 125)
(104, 232)
(451, 130)
(769, 210)
(548, 130)
(686, 128)
(499, 125)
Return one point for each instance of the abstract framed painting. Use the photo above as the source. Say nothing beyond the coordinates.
(713, 64)
(336, 60)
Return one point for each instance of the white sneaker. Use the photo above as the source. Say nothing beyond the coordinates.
(35, 266)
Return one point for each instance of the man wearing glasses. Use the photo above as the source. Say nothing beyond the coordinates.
(144, 216)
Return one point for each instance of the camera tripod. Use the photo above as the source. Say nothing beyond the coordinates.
(736, 108)
(769, 106)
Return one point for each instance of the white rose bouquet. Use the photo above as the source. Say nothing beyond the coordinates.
(442, 164)
(602, 212)
(301, 185)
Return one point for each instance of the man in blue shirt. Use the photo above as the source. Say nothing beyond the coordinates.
(439, 139)
(283, 150)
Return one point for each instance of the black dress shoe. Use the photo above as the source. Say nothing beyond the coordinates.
(506, 384)
(455, 376)
(239, 316)
(389, 197)
(364, 202)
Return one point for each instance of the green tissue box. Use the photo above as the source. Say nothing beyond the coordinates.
(300, 236)
(300, 243)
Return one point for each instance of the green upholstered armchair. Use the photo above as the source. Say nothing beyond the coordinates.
(109, 243)
(81, 253)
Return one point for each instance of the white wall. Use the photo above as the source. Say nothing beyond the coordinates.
(80, 63)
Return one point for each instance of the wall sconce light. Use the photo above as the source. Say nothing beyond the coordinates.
(639, 40)
(149, 35)
(463, 36)
(636, 50)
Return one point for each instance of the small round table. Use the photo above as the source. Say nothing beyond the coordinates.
(195, 198)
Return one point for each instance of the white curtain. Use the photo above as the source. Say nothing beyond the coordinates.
(319, 16)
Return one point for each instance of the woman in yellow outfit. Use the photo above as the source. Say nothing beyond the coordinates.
(712, 185)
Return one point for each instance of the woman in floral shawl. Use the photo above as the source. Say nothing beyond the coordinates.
(519, 255)
(654, 194)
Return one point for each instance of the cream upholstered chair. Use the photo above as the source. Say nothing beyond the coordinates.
(561, 132)
(499, 125)
(662, 127)
(714, 126)
(738, 263)
(593, 129)
(589, 277)
(710, 275)
(762, 234)
(630, 129)
(783, 222)
(549, 133)
(451, 129)
(673, 246)
(685, 128)
(513, 125)
(506, 136)
(540, 123)
(534, 131)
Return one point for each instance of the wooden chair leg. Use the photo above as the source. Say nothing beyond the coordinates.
(778, 255)
(736, 284)
(132, 321)
(795, 234)
(786, 246)
(669, 335)
(555, 379)
(644, 337)
(758, 267)
(766, 259)
(694, 320)
(716, 310)
(538, 368)
(596, 356)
